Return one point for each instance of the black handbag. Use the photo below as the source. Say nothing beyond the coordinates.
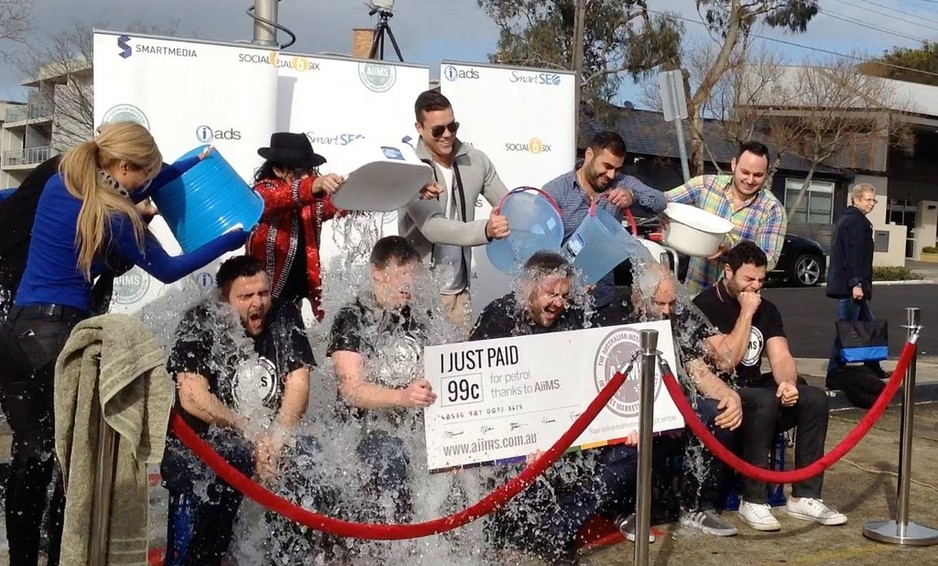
(863, 341)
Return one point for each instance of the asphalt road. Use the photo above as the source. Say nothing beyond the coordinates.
(809, 316)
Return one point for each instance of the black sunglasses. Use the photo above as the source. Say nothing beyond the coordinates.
(437, 131)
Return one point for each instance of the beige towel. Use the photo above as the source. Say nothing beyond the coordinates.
(115, 355)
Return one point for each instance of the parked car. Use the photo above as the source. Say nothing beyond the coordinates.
(803, 261)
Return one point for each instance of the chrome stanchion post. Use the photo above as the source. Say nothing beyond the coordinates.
(902, 531)
(649, 343)
(103, 488)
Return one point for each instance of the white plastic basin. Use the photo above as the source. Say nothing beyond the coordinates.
(693, 231)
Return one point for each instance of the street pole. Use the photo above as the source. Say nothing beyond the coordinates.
(902, 531)
(265, 33)
(649, 344)
(579, 31)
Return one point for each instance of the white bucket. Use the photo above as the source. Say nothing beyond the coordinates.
(693, 231)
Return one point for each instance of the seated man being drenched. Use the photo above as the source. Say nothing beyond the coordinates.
(655, 296)
(546, 517)
(774, 401)
(242, 366)
(376, 346)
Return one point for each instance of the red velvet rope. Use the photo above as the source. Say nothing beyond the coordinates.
(817, 467)
(489, 503)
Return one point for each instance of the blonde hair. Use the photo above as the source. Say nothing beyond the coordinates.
(860, 189)
(118, 141)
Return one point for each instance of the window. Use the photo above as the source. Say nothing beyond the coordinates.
(817, 204)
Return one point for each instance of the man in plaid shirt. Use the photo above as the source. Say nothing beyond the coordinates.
(755, 213)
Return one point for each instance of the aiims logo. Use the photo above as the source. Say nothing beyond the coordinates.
(126, 51)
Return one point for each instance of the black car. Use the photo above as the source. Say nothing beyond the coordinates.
(803, 261)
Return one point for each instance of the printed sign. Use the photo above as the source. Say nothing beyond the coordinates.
(499, 400)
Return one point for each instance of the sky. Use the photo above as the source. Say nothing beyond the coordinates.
(429, 31)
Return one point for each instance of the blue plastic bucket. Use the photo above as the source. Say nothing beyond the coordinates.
(599, 244)
(535, 225)
(206, 201)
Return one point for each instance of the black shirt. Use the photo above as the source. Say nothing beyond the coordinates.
(506, 317)
(247, 373)
(723, 311)
(390, 341)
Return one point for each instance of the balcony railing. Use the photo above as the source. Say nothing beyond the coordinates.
(30, 156)
(15, 114)
(41, 109)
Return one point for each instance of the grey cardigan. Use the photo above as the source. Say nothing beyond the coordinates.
(423, 222)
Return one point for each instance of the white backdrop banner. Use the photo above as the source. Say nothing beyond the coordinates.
(233, 96)
(523, 120)
(342, 103)
(188, 94)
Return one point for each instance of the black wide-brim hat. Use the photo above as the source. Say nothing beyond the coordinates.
(292, 151)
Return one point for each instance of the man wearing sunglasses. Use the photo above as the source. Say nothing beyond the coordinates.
(445, 229)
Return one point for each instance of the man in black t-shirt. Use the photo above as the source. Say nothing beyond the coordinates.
(774, 401)
(377, 347)
(546, 518)
(242, 367)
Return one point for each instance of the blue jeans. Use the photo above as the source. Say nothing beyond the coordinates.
(703, 493)
(850, 309)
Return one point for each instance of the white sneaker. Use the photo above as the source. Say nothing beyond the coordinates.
(808, 509)
(758, 516)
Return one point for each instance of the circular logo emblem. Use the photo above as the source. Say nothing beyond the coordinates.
(205, 280)
(614, 354)
(753, 355)
(377, 77)
(126, 113)
(204, 134)
(535, 145)
(255, 385)
(131, 287)
(450, 73)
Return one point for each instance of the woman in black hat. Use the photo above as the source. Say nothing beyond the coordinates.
(296, 204)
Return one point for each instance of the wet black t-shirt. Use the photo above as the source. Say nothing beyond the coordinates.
(504, 317)
(390, 341)
(723, 310)
(246, 373)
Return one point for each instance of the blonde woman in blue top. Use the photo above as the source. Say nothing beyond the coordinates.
(85, 214)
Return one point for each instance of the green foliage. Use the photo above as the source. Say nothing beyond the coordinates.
(620, 39)
(896, 273)
(930, 250)
(791, 14)
(924, 58)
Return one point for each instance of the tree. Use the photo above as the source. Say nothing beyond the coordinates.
(924, 58)
(621, 40)
(826, 113)
(70, 54)
(15, 19)
(730, 23)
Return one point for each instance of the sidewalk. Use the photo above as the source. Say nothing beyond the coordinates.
(814, 371)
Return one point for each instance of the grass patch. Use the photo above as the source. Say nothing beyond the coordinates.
(897, 273)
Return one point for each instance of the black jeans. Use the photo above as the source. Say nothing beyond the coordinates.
(30, 341)
(702, 483)
(216, 512)
(764, 417)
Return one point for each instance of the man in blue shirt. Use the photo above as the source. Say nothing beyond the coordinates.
(597, 174)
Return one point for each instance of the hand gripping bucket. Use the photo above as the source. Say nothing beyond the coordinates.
(599, 244)
(535, 224)
(206, 201)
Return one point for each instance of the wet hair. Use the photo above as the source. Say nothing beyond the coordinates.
(235, 267)
(118, 141)
(430, 101)
(609, 141)
(544, 263)
(752, 146)
(744, 253)
(394, 248)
